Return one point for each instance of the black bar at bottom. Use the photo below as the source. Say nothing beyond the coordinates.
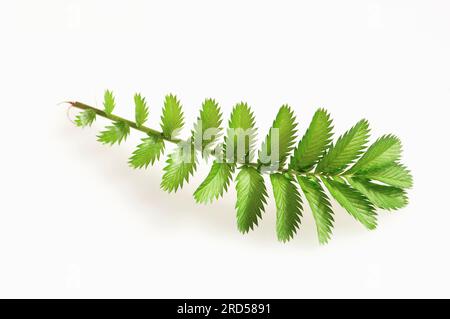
(223, 308)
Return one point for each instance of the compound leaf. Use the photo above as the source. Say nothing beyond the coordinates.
(359, 181)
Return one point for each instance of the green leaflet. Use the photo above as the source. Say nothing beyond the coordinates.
(172, 119)
(241, 134)
(358, 179)
(385, 197)
(181, 164)
(109, 102)
(347, 149)
(394, 174)
(289, 206)
(320, 206)
(353, 201)
(386, 150)
(284, 128)
(207, 128)
(85, 118)
(251, 198)
(215, 184)
(314, 143)
(147, 153)
(141, 110)
(115, 133)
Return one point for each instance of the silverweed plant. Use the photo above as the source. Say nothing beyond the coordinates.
(358, 177)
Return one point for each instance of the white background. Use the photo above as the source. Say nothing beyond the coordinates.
(76, 221)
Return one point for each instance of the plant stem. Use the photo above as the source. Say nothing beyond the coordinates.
(112, 117)
(158, 134)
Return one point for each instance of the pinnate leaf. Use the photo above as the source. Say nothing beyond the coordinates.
(376, 179)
